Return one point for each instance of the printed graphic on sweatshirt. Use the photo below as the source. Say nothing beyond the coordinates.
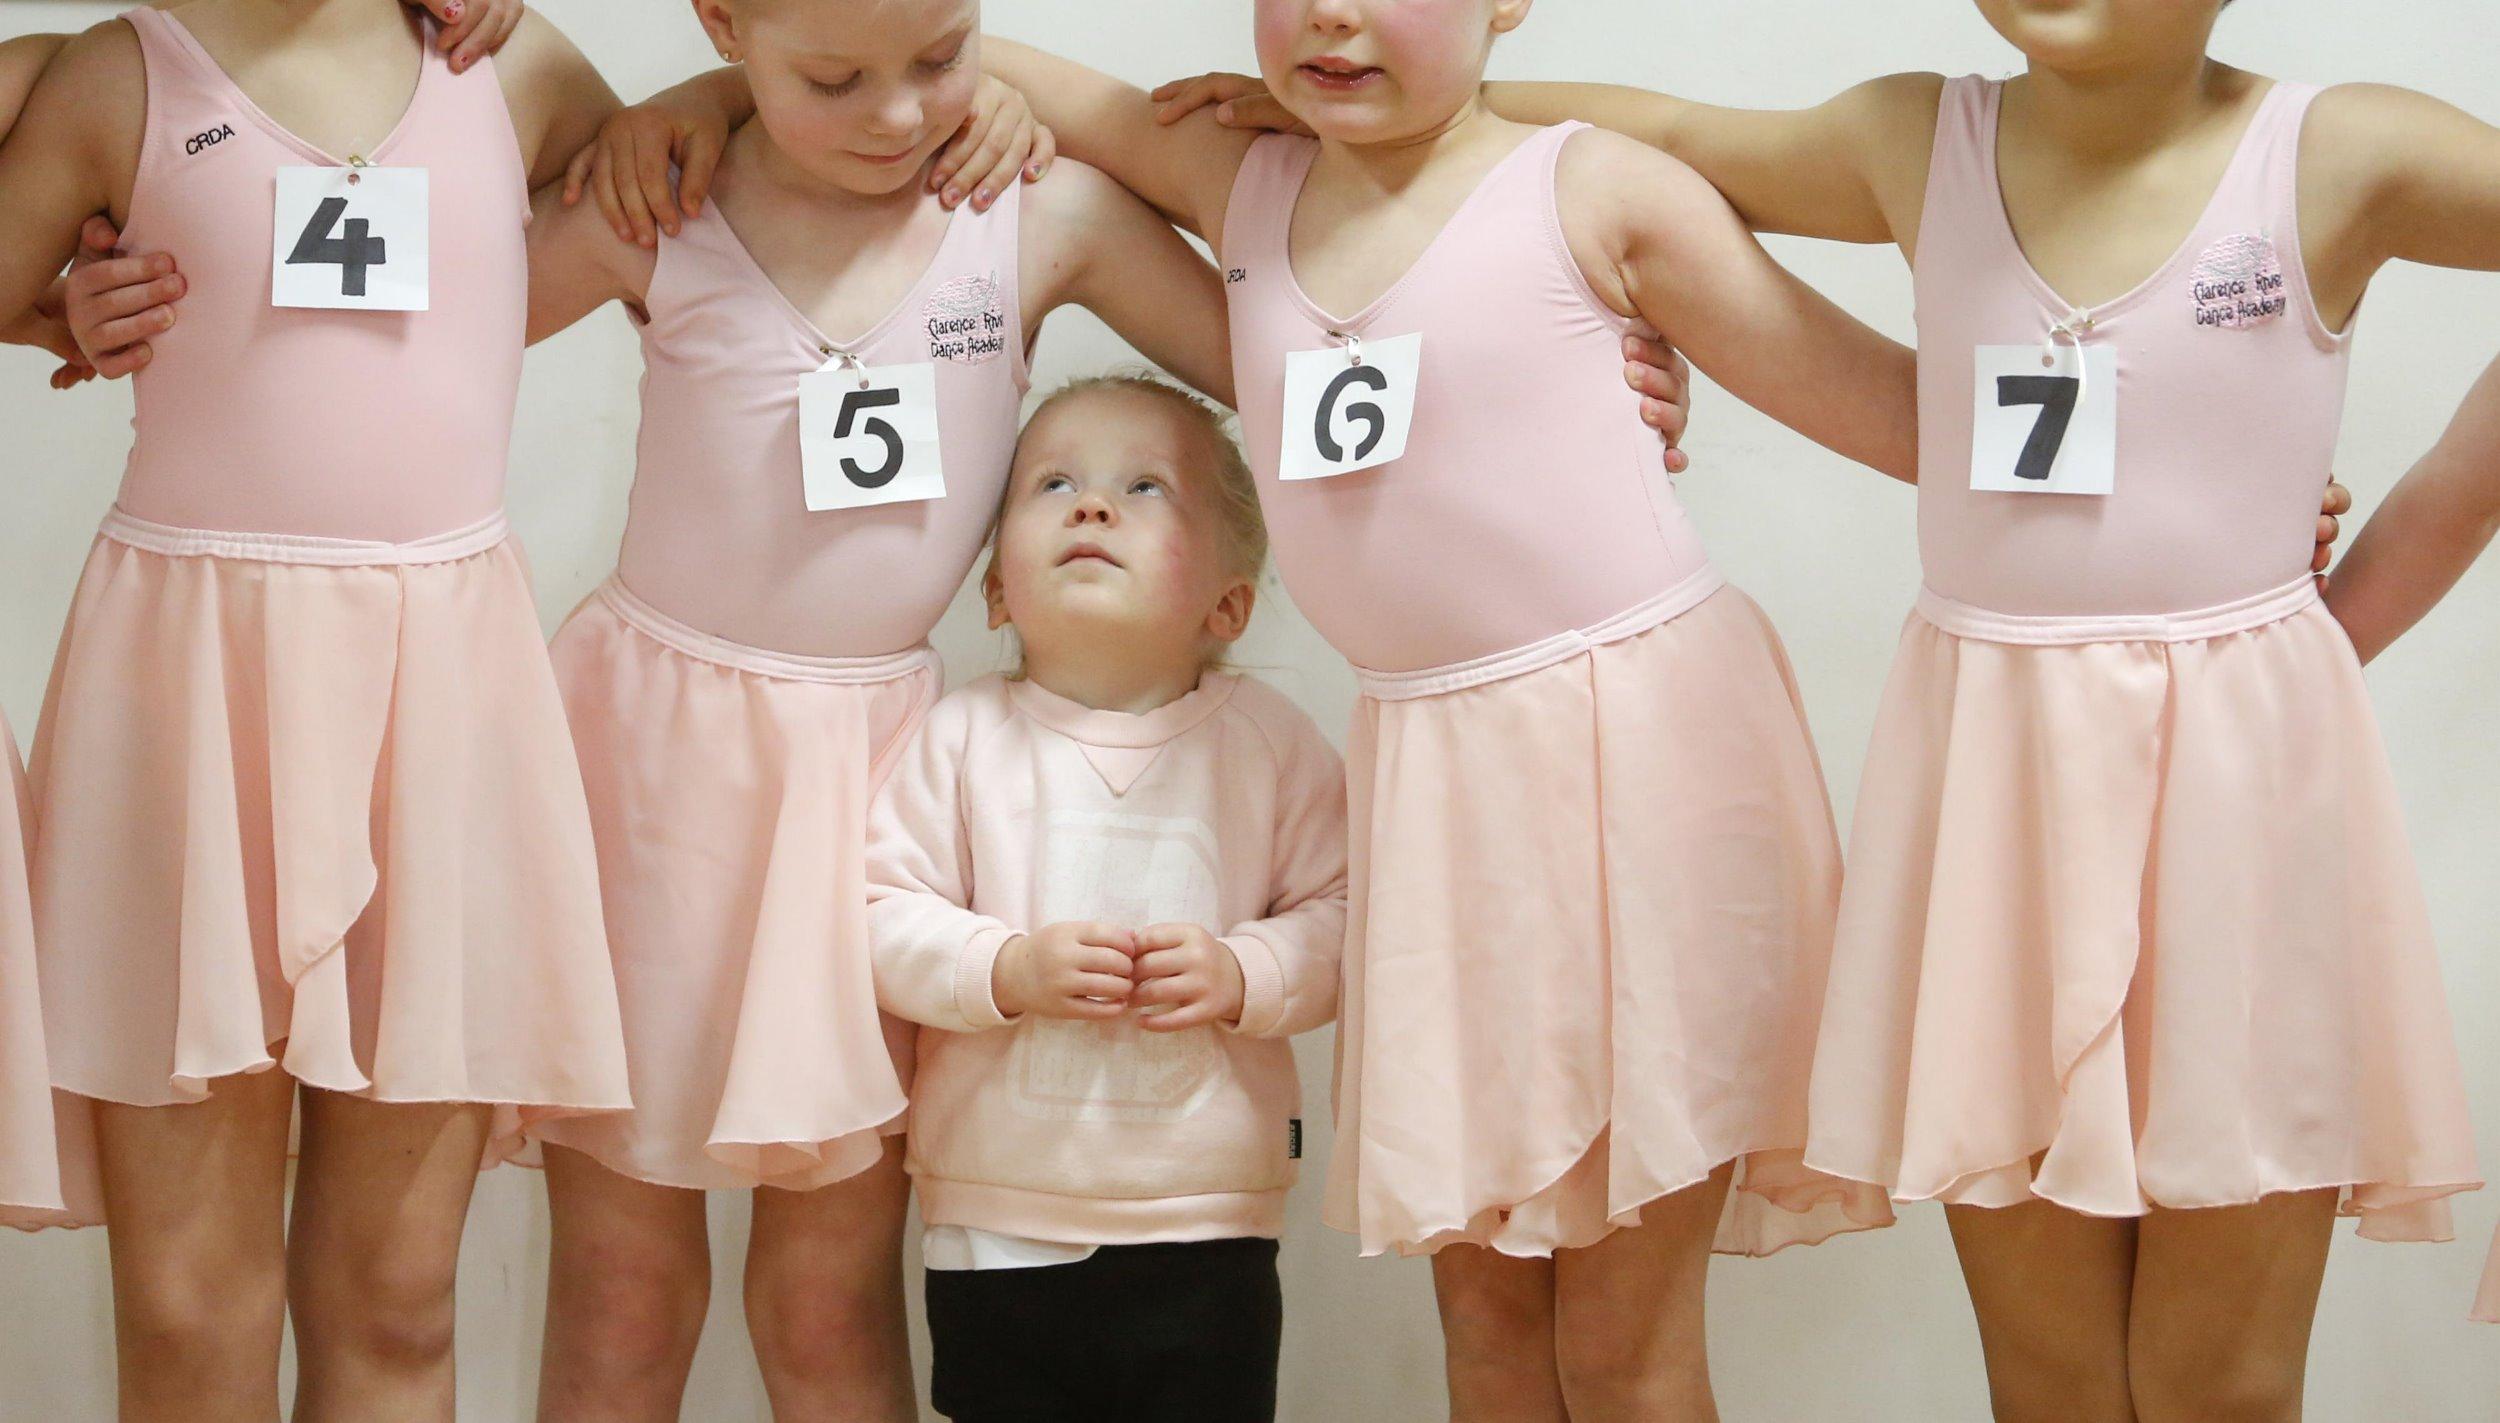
(2238, 283)
(1131, 870)
(967, 320)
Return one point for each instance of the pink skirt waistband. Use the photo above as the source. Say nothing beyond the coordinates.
(172, 542)
(789, 666)
(1659, 608)
(1963, 620)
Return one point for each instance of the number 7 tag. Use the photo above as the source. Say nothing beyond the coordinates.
(868, 435)
(2044, 419)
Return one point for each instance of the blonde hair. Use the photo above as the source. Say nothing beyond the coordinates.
(1236, 491)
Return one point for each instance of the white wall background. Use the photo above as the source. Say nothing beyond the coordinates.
(1869, 1328)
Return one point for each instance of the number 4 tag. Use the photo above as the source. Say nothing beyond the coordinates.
(2044, 419)
(868, 435)
(350, 239)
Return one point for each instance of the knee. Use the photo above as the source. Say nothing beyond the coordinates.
(2213, 1381)
(2050, 1386)
(817, 1320)
(1498, 1330)
(1636, 1363)
(628, 1305)
(395, 1306)
(218, 1310)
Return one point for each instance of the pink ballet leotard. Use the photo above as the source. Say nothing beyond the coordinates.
(1530, 503)
(2230, 394)
(370, 425)
(719, 536)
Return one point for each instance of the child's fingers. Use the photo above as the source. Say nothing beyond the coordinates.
(129, 360)
(1194, 1014)
(152, 319)
(490, 34)
(697, 163)
(629, 192)
(1080, 1007)
(1095, 985)
(97, 239)
(651, 171)
(982, 151)
(958, 151)
(603, 188)
(1103, 962)
(1107, 936)
(2338, 498)
(1045, 153)
(458, 20)
(1009, 168)
(1164, 936)
(1258, 111)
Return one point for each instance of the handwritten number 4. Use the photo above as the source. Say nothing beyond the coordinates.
(352, 254)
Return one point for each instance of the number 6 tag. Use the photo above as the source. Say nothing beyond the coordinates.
(1349, 409)
(350, 239)
(868, 435)
(2044, 419)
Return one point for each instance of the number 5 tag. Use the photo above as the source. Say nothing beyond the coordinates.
(2044, 419)
(350, 239)
(868, 435)
(1349, 409)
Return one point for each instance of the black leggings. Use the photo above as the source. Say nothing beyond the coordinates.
(1183, 1333)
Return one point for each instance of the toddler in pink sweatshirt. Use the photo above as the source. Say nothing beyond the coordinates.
(1111, 888)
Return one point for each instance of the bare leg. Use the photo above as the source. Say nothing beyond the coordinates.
(381, 1194)
(824, 1298)
(197, 1199)
(2050, 1288)
(628, 1280)
(1628, 1314)
(1497, 1333)
(2224, 1301)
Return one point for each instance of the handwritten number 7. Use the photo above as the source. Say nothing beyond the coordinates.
(2055, 395)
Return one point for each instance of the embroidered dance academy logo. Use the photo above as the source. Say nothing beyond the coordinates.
(967, 321)
(202, 142)
(2238, 283)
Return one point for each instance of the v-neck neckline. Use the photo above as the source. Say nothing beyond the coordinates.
(2101, 312)
(1443, 237)
(198, 52)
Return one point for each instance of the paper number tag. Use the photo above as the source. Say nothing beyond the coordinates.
(2044, 420)
(1340, 416)
(350, 239)
(868, 435)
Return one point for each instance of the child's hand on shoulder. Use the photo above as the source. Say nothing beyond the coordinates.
(1186, 978)
(999, 143)
(1080, 971)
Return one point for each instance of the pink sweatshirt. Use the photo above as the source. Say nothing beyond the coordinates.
(1014, 809)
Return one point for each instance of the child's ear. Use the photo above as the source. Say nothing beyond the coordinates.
(1231, 617)
(994, 593)
(1509, 15)
(720, 25)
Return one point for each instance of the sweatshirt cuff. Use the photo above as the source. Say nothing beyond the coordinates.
(1262, 986)
(973, 998)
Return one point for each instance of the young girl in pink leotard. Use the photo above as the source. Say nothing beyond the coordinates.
(306, 806)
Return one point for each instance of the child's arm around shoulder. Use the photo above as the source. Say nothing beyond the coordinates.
(1185, 170)
(558, 100)
(1852, 169)
(22, 61)
(73, 153)
(1094, 243)
(577, 264)
(1658, 242)
(1289, 958)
